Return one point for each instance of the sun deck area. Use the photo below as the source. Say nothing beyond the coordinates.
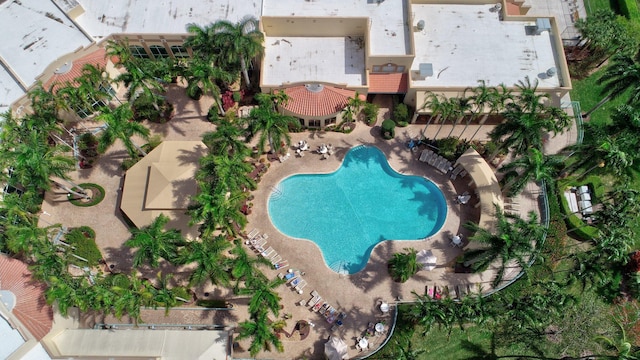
(467, 43)
(388, 30)
(338, 60)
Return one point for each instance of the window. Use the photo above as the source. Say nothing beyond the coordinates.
(301, 121)
(314, 123)
(330, 121)
(387, 68)
(159, 51)
(138, 52)
(179, 52)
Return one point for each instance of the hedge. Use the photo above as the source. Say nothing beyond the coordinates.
(82, 240)
(579, 229)
(629, 8)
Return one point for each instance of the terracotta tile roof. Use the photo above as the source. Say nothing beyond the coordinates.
(30, 308)
(513, 9)
(392, 83)
(329, 100)
(96, 58)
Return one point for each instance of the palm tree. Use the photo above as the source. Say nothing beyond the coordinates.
(225, 140)
(622, 75)
(67, 292)
(118, 125)
(260, 332)
(243, 266)
(201, 74)
(232, 172)
(446, 110)
(514, 239)
(434, 103)
(239, 43)
(263, 294)
(495, 97)
(208, 254)
(272, 126)
(47, 103)
(601, 152)
(534, 166)
(120, 50)
(153, 242)
(163, 295)
(26, 240)
(404, 265)
(34, 162)
(461, 106)
(201, 41)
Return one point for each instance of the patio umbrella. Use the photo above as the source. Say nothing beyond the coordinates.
(335, 349)
(427, 259)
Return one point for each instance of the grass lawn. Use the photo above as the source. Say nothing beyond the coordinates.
(587, 92)
(593, 5)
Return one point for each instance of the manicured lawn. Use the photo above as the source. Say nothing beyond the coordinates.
(593, 5)
(587, 92)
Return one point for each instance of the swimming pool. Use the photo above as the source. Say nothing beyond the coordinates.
(347, 212)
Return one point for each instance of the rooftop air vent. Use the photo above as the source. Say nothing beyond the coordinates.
(426, 70)
(420, 25)
(551, 71)
(542, 25)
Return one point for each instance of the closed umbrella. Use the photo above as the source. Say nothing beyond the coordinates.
(335, 349)
(427, 259)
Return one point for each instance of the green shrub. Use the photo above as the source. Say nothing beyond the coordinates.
(156, 110)
(237, 96)
(82, 242)
(97, 191)
(388, 129)
(87, 141)
(447, 147)
(401, 113)
(194, 92)
(578, 228)
(370, 113)
(128, 163)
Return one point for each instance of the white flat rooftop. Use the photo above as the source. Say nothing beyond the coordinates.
(388, 32)
(338, 60)
(102, 18)
(467, 43)
(10, 90)
(35, 34)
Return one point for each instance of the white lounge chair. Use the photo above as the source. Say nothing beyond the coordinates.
(281, 264)
(268, 252)
(300, 286)
(253, 234)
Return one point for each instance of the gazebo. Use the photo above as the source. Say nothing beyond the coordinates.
(162, 183)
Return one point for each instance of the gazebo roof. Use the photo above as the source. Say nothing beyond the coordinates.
(317, 99)
(162, 183)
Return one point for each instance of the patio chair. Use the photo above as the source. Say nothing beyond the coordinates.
(269, 251)
(299, 288)
(317, 306)
(281, 265)
(253, 234)
(314, 300)
(276, 259)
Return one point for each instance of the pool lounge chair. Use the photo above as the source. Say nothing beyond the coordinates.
(269, 251)
(295, 281)
(253, 234)
(300, 286)
(316, 307)
(281, 264)
(276, 259)
(314, 300)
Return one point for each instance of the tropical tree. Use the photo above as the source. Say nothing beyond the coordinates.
(154, 242)
(239, 43)
(622, 76)
(402, 266)
(201, 74)
(209, 255)
(263, 294)
(162, 294)
(272, 126)
(225, 140)
(434, 103)
(87, 90)
(217, 208)
(118, 125)
(232, 172)
(46, 103)
(496, 98)
(262, 335)
(534, 166)
(514, 239)
(244, 267)
(460, 107)
(34, 162)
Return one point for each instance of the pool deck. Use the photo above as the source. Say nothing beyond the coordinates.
(358, 295)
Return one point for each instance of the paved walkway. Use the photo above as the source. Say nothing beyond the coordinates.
(358, 295)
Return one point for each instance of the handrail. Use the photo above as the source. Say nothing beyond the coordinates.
(577, 114)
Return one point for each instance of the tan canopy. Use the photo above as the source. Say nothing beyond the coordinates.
(163, 182)
(486, 186)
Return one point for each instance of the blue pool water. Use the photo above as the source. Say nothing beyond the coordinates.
(348, 212)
